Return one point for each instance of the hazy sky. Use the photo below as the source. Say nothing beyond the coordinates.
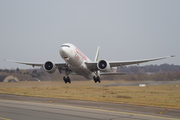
(34, 30)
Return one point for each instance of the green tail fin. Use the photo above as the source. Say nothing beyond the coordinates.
(97, 55)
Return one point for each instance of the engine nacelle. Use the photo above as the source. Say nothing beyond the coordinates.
(104, 66)
(49, 67)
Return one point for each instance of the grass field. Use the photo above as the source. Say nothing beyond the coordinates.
(167, 96)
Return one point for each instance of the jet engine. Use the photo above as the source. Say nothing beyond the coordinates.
(104, 66)
(49, 67)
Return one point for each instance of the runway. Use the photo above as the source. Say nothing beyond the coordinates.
(33, 108)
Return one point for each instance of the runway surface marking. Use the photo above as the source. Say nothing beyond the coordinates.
(100, 110)
(1, 118)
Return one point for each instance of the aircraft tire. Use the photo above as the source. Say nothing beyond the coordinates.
(95, 80)
(65, 79)
(68, 80)
(98, 79)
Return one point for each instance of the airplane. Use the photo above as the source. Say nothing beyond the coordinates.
(80, 64)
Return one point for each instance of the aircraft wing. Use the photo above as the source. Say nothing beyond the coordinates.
(26, 63)
(61, 66)
(93, 65)
(123, 63)
(112, 73)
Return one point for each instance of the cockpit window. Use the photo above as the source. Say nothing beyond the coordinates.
(65, 46)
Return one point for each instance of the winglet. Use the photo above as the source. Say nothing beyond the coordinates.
(97, 55)
(8, 60)
(173, 56)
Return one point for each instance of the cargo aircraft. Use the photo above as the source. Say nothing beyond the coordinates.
(76, 62)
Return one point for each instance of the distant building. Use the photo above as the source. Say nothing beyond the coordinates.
(9, 78)
(149, 73)
(35, 79)
(142, 85)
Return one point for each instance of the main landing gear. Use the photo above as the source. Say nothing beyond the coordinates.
(96, 79)
(67, 80)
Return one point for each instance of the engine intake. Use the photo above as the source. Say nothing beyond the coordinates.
(104, 66)
(49, 67)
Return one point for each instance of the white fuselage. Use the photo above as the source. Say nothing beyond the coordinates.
(76, 60)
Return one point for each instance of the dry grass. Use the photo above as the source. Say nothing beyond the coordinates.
(159, 96)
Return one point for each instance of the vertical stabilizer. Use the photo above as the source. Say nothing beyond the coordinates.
(97, 55)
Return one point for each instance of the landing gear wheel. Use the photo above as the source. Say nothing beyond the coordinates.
(67, 80)
(98, 79)
(95, 80)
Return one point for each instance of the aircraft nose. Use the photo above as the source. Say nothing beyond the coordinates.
(63, 52)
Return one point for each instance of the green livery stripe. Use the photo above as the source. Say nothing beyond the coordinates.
(97, 57)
